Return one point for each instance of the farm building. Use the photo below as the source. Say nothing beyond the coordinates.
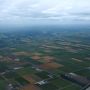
(83, 81)
(43, 82)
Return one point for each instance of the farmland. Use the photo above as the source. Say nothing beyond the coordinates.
(31, 57)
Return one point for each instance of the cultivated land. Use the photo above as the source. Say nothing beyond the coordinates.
(30, 57)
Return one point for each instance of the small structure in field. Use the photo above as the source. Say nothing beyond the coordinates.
(40, 83)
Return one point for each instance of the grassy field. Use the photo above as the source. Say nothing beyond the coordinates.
(26, 71)
(2, 84)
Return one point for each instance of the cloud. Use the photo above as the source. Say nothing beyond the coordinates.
(19, 10)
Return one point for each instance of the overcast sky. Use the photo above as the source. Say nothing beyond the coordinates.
(28, 11)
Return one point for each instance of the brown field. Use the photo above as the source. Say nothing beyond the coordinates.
(50, 66)
(7, 59)
(30, 87)
(36, 56)
(47, 59)
(44, 59)
(65, 43)
(69, 49)
(35, 77)
(53, 47)
(30, 79)
(22, 53)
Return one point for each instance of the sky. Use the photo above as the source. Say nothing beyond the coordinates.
(25, 12)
